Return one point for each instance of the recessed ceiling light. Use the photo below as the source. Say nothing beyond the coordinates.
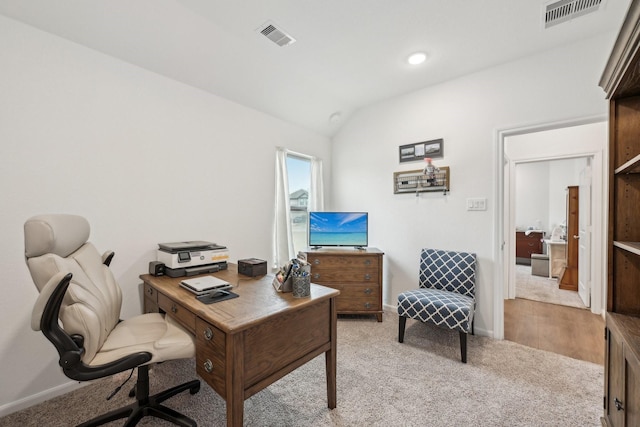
(335, 117)
(417, 58)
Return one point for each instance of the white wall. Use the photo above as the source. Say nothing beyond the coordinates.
(466, 112)
(144, 158)
(541, 192)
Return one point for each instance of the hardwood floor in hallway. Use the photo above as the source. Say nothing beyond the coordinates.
(573, 332)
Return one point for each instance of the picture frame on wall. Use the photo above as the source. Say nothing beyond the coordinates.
(420, 150)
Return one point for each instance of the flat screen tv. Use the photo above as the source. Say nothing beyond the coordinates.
(338, 229)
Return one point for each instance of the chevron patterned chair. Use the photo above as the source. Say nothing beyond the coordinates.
(446, 296)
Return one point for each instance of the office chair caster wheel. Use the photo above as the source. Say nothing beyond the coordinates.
(195, 389)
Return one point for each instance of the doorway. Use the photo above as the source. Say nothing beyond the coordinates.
(585, 141)
(577, 138)
(545, 218)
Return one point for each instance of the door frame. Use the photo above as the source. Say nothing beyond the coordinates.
(504, 239)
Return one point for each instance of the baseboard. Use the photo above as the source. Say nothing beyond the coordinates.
(45, 395)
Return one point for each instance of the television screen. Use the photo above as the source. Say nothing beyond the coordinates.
(338, 228)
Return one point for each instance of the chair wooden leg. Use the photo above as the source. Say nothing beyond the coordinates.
(463, 346)
(402, 322)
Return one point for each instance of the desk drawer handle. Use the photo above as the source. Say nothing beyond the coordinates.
(208, 334)
(368, 291)
(367, 277)
(208, 366)
(174, 308)
(150, 291)
(618, 404)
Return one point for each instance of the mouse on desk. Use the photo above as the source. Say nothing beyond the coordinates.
(216, 294)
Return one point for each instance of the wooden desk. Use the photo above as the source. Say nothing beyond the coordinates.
(247, 343)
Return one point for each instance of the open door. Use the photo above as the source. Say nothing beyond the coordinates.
(584, 231)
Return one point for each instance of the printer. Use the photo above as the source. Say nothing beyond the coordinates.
(192, 257)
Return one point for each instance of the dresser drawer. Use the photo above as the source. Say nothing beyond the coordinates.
(358, 297)
(332, 262)
(177, 311)
(322, 276)
(210, 355)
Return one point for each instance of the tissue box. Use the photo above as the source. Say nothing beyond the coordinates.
(252, 267)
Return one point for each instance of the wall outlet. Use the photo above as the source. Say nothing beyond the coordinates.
(477, 204)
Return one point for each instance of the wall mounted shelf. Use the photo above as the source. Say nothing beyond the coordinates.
(415, 181)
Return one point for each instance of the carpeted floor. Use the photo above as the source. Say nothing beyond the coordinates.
(380, 383)
(543, 289)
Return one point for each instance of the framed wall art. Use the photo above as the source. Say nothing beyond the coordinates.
(420, 150)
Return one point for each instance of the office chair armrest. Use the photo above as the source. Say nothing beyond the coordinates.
(67, 346)
(107, 257)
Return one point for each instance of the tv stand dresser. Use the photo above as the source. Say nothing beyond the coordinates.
(356, 273)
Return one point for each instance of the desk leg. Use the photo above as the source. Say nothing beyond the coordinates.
(330, 358)
(235, 380)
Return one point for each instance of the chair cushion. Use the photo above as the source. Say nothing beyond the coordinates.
(152, 332)
(437, 306)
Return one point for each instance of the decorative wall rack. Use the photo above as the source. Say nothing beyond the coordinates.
(416, 181)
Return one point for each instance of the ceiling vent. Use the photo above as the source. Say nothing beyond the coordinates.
(275, 34)
(561, 11)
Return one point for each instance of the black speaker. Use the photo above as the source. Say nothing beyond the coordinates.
(156, 268)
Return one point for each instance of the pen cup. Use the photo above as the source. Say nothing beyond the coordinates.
(302, 283)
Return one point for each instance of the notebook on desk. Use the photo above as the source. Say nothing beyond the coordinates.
(205, 284)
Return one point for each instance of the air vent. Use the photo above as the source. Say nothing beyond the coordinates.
(565, 10)
(275, 34)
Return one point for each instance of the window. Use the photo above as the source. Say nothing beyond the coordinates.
(299, 189)
(299, 174)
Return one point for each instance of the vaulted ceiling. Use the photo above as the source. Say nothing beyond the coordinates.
(347, 53)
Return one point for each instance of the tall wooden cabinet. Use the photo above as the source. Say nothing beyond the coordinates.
(356, 273)
(621, 82)
(569, 278)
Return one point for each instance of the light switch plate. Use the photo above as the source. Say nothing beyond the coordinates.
(477, 204)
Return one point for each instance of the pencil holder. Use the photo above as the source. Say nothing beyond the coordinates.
(302, 282)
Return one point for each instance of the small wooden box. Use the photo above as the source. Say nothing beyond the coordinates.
(252, 267)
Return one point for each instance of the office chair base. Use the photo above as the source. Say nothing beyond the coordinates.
(146, 405)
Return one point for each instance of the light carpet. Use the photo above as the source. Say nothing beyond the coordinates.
(543, 289)
(380, 383)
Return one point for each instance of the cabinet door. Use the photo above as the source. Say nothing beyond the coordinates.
(615, 386)
(632, 389)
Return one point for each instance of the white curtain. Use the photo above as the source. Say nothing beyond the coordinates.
(283, 249)
(316, 193)
(282, 238)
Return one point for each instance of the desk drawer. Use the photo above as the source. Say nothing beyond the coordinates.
(210, 355)
(177, 311)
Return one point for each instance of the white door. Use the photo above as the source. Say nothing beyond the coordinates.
(584, 236)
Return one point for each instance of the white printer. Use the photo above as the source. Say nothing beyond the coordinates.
(192, 257)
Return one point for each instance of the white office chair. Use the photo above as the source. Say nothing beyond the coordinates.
(78, 310)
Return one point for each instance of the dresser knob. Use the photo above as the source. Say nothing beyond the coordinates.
(316, 261)
(208, 366)
(208, 334)
(368, 291)
(316, 275)
(367, 262)
(367, 305)
(367, 277)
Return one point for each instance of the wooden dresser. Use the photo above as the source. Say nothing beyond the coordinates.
(356, 273)
(621, 82)
(527, 245)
